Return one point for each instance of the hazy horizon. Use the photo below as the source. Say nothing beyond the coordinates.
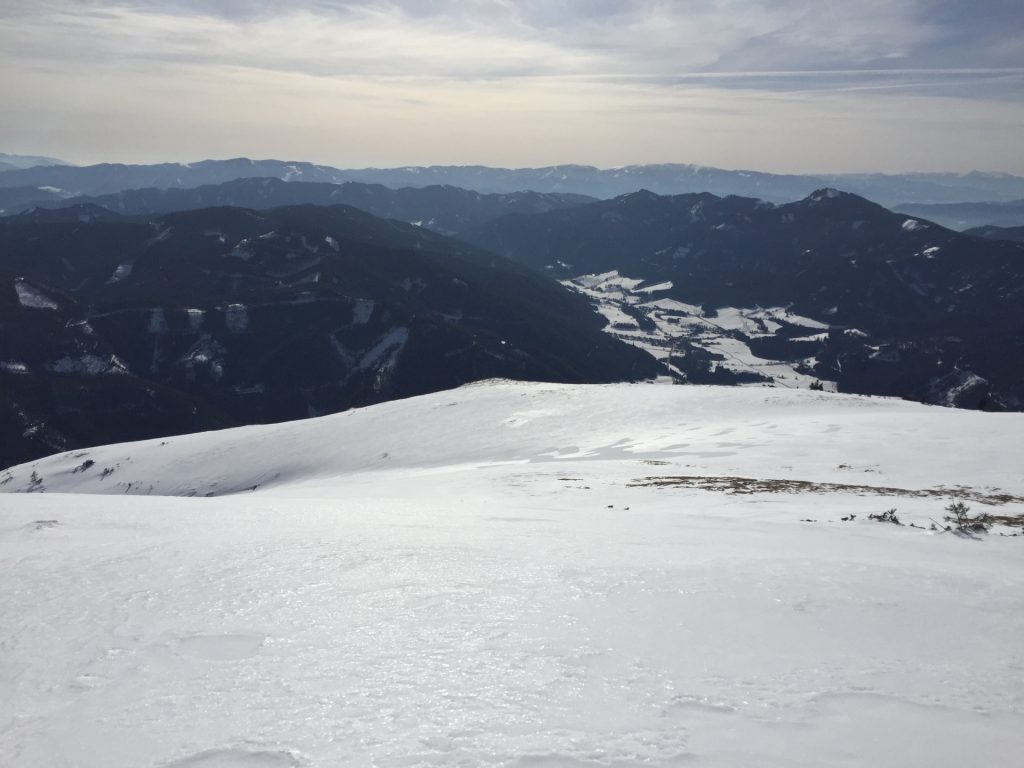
(193, 161)
(787, 86)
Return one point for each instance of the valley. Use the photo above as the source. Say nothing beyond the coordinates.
(701, 348)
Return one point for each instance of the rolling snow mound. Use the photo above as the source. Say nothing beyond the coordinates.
(757, 432)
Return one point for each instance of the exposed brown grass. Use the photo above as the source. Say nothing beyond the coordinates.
(749, 485)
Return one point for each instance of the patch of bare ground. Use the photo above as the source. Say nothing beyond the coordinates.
(749, 485)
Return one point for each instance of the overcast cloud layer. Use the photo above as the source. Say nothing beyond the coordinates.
(782, 85)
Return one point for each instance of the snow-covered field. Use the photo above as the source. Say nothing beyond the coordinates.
(726, 333)
(522, 575)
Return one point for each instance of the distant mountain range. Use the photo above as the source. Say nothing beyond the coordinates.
(16, 162)
(108, 178)
(288, 290)
(117, 329)
(567, 179)
(442, 209)
(18, 199)
(962, 216)
(884, 304)
(1014, 234)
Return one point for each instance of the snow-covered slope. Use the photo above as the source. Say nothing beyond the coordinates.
(516, 574)
(759, 432)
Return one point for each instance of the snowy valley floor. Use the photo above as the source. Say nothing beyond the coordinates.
(516, 575)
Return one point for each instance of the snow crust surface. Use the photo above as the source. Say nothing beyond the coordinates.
(515, 575)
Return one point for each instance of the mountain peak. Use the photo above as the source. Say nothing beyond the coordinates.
(837, 199)
(641, 195)
(825, 193)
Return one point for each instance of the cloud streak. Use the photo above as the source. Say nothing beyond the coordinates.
(498, 38)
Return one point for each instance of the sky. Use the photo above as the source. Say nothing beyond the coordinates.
(775, 85)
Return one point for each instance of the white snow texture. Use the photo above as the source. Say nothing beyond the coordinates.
(489, 577)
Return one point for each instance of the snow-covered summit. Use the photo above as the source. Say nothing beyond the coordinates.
(768, 433)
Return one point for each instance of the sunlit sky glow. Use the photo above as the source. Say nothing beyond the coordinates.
(777, 85)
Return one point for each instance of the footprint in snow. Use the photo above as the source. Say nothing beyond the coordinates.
(236, 758)
(89, 681)
(221, 647)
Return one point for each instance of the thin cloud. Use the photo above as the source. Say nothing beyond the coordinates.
(474, 39)
(506, 81)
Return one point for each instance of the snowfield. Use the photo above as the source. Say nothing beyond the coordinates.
(515, 574)
(726, 334)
